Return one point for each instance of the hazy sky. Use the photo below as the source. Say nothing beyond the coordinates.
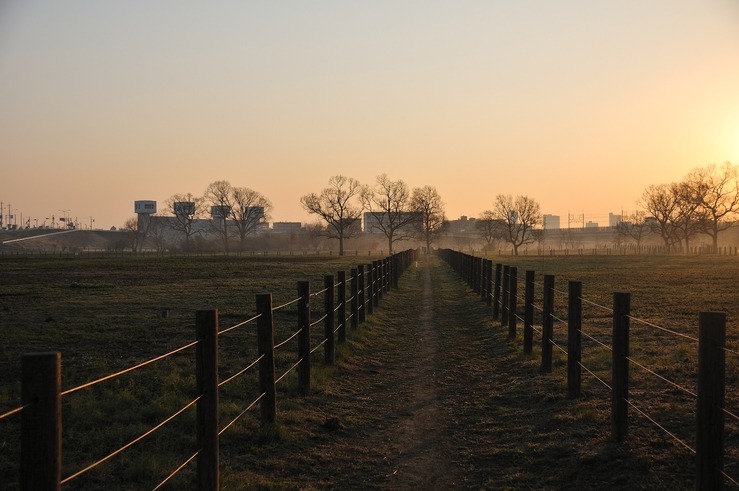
(579, 104)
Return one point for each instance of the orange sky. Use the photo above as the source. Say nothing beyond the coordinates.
(578, 104)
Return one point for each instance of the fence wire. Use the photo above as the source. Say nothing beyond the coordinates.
(131, 443)
(288, 371)
(647, 323)
(319, 345)
(242, 413)
(177, 470)
(13, 411)
(129, 369)
(677, 386)
(286, 304)
(672, 435)
(283, 343)
(241, 372)
(224, 331)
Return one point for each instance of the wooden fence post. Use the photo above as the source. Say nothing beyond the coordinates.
(266, 350)
(341, 320)
(620, 366)
(574, 339)
(370, 289)
(206, 369)
(489, 284)
(711, 385)
(504, 302)
(304, 337)
(547, 324)
(360, 291)
(41, 421)
(376, 283)
(512, 301)
(496, 291)
(354, 304)
(329, 350)
(528, 313)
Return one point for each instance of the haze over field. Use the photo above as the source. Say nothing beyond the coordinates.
(578, 104)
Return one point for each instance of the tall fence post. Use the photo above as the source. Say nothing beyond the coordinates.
(711, 385)
(266, 352)
(504, 302)
(547, 324)
(620, 366)
(206, 366)
(360, 291)
(512, 301)
(329, 351)
(574, 339)
(528, 313)
(304, 337)
(354, 304)
(489, 285)
(41, 421)
(496, 291)
(341, 298)
(370, 289)
(376, 283)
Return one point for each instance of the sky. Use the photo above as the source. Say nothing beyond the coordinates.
(578, 104)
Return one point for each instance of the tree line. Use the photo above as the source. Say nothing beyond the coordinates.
(705, 201)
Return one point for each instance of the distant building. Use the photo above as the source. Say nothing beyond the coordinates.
(551, 222)
(590, 224)
(287, 227)
(463, 226)
(614, 220)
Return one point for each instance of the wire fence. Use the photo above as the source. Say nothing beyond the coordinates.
(40, 408)
(497, 285)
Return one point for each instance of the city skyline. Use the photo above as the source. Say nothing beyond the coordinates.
(578, 105)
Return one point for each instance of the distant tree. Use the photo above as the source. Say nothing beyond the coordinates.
(490, 228)
(336, 206)
(426, 202)
(520, 215)
(674, 211)
(248, 209)
(635, 227)
(659, 202)
(218, 194)
(689, 213)
(389, 203)
(158, 235)
(717, 193)
(135, 235)
(186, 208)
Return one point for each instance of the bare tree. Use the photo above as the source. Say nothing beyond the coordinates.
(688, 212)
(519, 216)
(660, 205)
(635, 227)
(490, 228)
(136, 229)
(426, 202)
(249, 209)
(218, 193)
(717, 193)
(186, 208)
(335, 205)
(389, 204)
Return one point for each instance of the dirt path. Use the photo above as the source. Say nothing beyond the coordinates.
(419, 444)
(433, 395)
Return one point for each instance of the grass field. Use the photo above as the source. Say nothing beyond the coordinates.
(106, 314)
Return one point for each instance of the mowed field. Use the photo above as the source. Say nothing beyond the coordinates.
(105, 315)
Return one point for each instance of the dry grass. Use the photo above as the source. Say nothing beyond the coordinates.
(502, 424)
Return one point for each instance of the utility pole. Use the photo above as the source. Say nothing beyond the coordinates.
(1, 214)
